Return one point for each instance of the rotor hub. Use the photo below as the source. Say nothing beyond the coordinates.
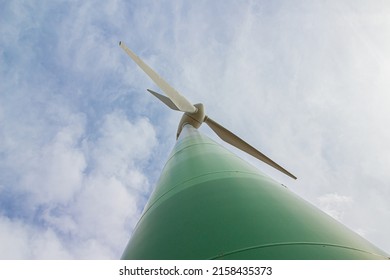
(194, 119)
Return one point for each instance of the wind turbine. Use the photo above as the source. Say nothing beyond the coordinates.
(194, 115)
(210, 204)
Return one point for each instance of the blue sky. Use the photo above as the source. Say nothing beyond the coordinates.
(82, 143)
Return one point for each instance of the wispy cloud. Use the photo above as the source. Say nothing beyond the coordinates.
(334, 204)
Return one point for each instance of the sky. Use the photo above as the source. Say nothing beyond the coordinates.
(82, 143)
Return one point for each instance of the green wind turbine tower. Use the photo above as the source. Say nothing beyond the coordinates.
(210, 204)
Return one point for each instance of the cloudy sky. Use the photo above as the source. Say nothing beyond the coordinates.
(82, 143)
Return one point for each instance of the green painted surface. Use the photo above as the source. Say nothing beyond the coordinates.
(210, 204)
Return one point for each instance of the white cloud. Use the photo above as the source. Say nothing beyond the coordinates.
(19, 240)
(55, 173)
(115, 152)
(334, 204)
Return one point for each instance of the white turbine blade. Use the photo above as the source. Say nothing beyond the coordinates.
(237, 142)
(182, 103)
(165, 100)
